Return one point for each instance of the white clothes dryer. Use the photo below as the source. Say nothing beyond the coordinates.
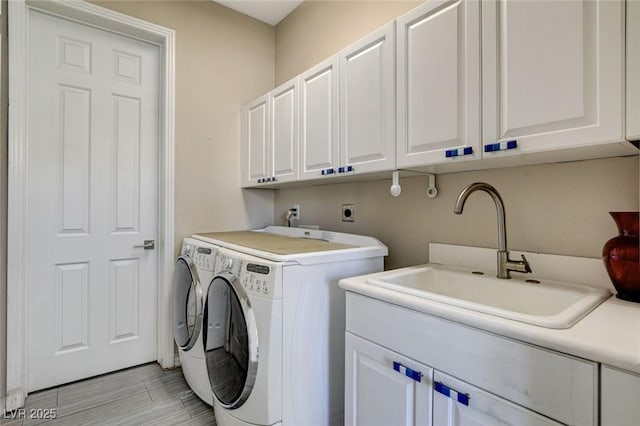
(193, 273)
(275, 322)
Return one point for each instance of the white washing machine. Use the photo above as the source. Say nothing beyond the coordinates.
(193, 273)
(274, 323)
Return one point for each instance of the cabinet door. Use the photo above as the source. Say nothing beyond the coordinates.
(620, 394)
(439, 83)
(378, 394)
(256, 150)
(552, 74)
(456, 403)
(633, 70)
(319, 120)
(367, 103)
(283, 102)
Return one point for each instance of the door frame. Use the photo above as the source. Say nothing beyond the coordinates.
(17, 209)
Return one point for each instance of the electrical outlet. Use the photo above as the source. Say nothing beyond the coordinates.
(296, 214)
(348, 213)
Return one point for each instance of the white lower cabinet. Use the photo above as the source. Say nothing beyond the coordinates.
(385, 388)
(466, 376)
(619, 397)
(456, 403)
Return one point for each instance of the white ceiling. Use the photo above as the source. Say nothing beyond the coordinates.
(269, 11)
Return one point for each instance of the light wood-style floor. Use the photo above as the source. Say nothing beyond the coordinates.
(144, 395)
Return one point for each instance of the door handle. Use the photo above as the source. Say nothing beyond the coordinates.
(148, 245)
(451, 393)
(412, 374)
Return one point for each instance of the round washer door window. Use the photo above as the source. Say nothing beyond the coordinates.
(231, 342)
(187, 303)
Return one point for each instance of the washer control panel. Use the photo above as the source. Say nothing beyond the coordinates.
(187, 249)
(225, 262)
(257, 278)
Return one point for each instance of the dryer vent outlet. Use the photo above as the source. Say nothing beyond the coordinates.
(348, 213)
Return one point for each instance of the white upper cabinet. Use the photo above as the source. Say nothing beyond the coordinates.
(438, 83)
(256, 149)
(458, 85)
(367, 104)
(318, 115)
(552, 76)
(347, 119)
(283, 105)
(270, 137)
(633, 70)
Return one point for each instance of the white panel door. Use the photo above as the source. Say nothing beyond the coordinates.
(319, 150)
(284, 131)
(92, 197)
(456, 403)
(633, 70)
(367, 103)
(379, 389)
(439, 83)
(256, 155)
(552, 74)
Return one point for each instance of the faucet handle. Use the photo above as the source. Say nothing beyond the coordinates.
(525, 262)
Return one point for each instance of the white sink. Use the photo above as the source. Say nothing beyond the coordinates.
(548, 304)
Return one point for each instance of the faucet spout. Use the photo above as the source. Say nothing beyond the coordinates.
(505, 265)
(497, 199)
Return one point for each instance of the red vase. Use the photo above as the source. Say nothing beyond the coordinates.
(621, 256)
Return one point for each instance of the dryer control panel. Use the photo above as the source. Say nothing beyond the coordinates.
(203, 256)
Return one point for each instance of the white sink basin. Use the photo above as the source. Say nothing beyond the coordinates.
(549, 304)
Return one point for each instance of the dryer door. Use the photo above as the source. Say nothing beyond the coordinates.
(187, 303)
(231, 341)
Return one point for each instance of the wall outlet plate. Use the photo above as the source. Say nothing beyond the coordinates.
(348, 213)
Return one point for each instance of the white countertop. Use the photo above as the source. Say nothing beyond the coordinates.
(297, 245)
(610, 334)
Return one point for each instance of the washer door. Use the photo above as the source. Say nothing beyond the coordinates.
(231, 341)
(187, 303)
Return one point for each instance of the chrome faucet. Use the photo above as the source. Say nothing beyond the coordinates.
(505, 265)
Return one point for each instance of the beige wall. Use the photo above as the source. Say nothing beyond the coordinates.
(223, 60)
(554, 208)
(317, 29)
(558, 208)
